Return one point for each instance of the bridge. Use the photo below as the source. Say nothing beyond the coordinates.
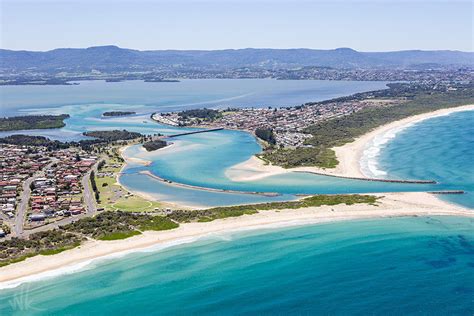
(194, 132)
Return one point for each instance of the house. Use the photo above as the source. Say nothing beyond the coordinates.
(37, 217)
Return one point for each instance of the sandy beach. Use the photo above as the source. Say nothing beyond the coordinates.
(129, 159)
(349, 155)
(391, 205)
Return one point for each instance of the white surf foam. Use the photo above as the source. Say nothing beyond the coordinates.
(227, 236)
(369, 162)
(92, 263)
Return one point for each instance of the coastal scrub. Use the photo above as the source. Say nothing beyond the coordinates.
(239, 210)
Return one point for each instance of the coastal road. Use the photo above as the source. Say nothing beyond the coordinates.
(54, 225)
(89, 198)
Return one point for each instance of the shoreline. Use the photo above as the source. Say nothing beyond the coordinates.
(129, 159)
(135, 192)
(74, 260)
(348, 155)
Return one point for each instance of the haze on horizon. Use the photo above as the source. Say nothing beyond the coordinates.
(384, 25)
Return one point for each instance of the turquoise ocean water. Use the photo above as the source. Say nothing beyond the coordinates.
(419, 266)
(441, 148)
(410, 266)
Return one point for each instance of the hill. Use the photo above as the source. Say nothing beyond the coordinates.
(113, 58)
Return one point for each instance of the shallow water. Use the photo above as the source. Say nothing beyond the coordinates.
(398, 266)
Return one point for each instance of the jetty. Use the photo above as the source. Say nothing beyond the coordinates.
(193, 132)
(371, 179)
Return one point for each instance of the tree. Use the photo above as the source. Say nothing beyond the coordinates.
(266, 134)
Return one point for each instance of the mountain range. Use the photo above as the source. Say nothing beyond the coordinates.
(113, 58)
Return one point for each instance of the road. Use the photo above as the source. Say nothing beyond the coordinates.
(88, 193)
(23, 206)
(54, 225)
(20, 214)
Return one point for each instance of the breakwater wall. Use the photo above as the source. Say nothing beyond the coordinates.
(371, 179)
(195, 187)
(448, 192)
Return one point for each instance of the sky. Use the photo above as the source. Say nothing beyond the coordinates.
(376, 25)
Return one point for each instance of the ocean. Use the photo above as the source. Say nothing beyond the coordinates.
(440, 148)
(397, 266)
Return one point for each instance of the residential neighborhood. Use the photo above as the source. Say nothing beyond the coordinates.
(39, 186)
(288, 123)
(17, 165)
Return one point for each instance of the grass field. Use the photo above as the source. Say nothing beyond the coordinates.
(113, 197)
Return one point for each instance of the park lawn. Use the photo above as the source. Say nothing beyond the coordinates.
(113, 197)
(122, 200)
(109, 168)
(106, 193)
(136, 203)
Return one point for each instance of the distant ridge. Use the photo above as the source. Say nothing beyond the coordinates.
(113, 58)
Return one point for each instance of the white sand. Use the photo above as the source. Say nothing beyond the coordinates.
(129, 159)
(349, 155)
(391, 205)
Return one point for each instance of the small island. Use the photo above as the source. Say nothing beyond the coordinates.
(115, 135)
(160, 80)
(154, 145)
(32, 122)
(118, 113)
